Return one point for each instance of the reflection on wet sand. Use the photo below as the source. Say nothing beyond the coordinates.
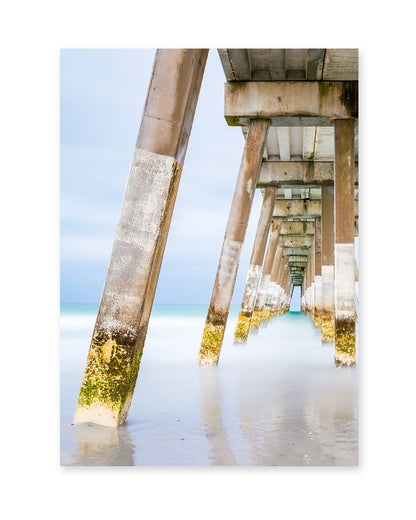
(101, 446)
(212, 424)
(311, 422)
(276, 400)
(286, 411)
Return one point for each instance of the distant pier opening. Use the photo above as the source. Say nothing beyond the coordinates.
(295, 301)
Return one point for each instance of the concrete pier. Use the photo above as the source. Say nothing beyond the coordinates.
(356, 281)
(318, 275)
(233, 241)
(254, 270)
(328, 288)
(266, 272)
(120, 329)
(344, 243)
(274, 288)
(283, 299)
(310, 297)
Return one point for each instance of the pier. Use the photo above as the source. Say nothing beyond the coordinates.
(298, 112)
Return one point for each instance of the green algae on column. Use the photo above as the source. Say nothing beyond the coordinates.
(345, 342)
(212, 338)
(242, 329)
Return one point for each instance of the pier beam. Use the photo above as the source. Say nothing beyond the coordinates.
(344, 244)
(327, 231)
(266, 272)
(120, 329)
(254, 270)
(217, 316)
(318, 275)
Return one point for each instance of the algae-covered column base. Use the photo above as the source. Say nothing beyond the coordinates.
(344, 305)
(317, 319)
(254, 270)
(327, 234)
(120, 329)
(344, 244)
(328, 316)
(216, 320)
(266, 273)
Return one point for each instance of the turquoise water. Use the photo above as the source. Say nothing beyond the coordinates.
(278, 400)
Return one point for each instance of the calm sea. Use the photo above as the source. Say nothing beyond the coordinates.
(278, 400)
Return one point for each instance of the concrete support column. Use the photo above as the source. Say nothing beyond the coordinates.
(266, 272)
(310, 280)
(120, 329)
(305, 288)
(233, 241)
(287, 283)
(283, 294)
(328, 297)
(302, 295)
(288, 290)
(254, 270)
(344, 243)
(312, 291)
(271, 291)
(285, 291)
(274, 287)
(318, 275)
(356, 281)
(276, 306)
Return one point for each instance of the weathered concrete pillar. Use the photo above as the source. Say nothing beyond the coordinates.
(254, 270)
(302, 294)
(274, 287)
(356, 280)
(310, 280)
(328, 297)
(318, 275)
(233, 241)
(266, 272)
(120, 329)
(283, 293)
(344, 243)
(288, 291)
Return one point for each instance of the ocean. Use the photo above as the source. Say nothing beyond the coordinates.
(278, 400)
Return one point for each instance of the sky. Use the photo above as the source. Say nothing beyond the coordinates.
(102, 98)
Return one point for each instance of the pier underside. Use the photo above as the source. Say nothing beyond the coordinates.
(298, 112)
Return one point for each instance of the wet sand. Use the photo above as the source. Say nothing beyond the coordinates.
(279, 400)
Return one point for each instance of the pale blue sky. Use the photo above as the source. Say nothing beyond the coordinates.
(102, 98)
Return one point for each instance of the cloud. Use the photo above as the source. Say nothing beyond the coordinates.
(85, 247)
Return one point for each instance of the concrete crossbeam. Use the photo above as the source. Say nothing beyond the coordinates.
(286, 173)
(295, 258)
(297, 241)
(297, 228)
(297, 251)
(291, 103)
(301, 208)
